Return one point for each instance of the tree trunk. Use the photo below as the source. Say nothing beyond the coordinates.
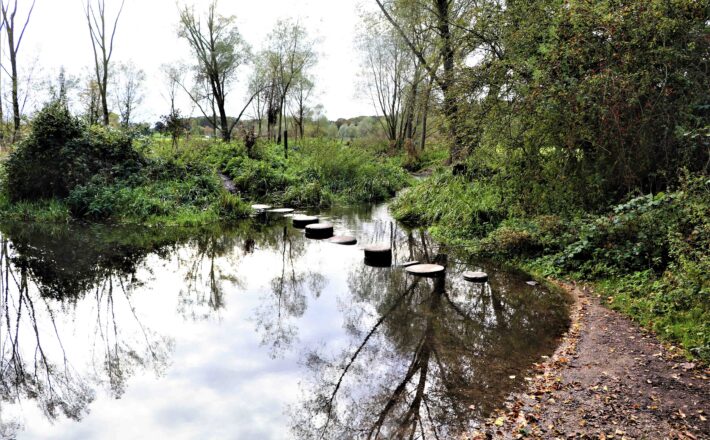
(15, 93)
(447, 54)
(104, 92)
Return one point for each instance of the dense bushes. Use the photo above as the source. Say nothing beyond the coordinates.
(95, 174)
(61, 154)
(589, 101)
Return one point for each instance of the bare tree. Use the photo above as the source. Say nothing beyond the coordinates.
(301, 93)
(173, 122)
(394, 77)
(14, 40)
(259, 84)
(102, 45)
(447, 24)
(90, 99)
(129, 91)
(290, 53)
(219, 51)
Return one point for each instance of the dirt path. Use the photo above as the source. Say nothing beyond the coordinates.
(608, 379)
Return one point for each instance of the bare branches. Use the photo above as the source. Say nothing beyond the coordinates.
(103, 49)
(8, 22)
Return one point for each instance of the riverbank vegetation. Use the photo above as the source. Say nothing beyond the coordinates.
(582, 153)
(67, 170)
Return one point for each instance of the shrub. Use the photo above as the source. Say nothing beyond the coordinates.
(61, 153)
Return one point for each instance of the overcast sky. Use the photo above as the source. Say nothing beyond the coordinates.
(147, 34)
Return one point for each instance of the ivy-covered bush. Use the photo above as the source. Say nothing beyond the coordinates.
(61, 153)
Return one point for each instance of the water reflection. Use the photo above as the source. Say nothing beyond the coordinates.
(428, 357)
(89, 315)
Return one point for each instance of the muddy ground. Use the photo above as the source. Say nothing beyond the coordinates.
(608, 379)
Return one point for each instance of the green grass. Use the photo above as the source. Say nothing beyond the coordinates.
(44, 211)
(183, 187)
(317, 173)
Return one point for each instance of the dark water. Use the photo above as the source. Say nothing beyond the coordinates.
(254, 332)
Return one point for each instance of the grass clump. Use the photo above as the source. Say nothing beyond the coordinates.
(318, 173)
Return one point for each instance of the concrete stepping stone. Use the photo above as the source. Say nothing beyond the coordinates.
(319, 230)
(475, 277)
(378, 255)
(426, 270)
(301, 221)
(281, 211)
(345, 240)
(261, 207)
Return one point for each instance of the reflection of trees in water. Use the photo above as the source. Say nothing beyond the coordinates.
(427, 357)
(205, 278)
(117, 353)
(34, 362)
(26, 370)
(45, 275)
(288, 299)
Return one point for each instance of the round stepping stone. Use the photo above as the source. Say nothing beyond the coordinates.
(344, 240)
(319, 230)
(426, 270)
(281, 211)
(409, 263)
(260, 207)
(378, 255)
(475, 277)
(301, 221)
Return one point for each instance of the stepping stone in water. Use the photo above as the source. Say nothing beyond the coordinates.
(260, 207)
(319, 230)
(301, 221)
(475, 277)
(281, 211)
(426, 270)
(344, 240)
(409, 263)
(378, 255)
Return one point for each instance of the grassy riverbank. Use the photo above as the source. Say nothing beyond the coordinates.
(66, 171)
(648, 256)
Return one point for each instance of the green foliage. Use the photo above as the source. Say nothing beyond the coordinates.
(649, 254)
(66, 170)
(165, 191)
(471, 209)
(591, 101)
(317, 173)
(60, 154)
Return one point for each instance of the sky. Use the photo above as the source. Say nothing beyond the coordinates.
(147, 35)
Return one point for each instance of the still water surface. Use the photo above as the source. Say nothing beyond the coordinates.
(255, 332)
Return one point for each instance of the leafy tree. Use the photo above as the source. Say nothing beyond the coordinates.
(219, 51)
(591, 100)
